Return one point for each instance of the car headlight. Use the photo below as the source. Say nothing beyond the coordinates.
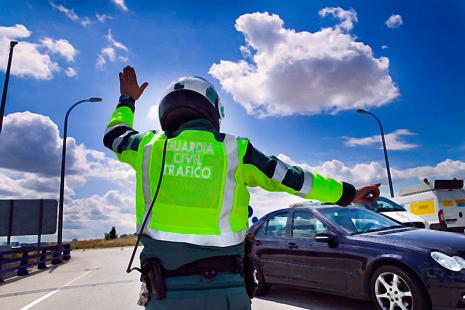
(452, 263)
(461, 261)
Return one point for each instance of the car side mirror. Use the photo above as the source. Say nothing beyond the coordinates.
(327, 237)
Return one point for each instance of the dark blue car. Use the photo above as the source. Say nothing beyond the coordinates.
(360, 254)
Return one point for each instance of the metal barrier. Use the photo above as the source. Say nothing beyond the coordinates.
(31, 256)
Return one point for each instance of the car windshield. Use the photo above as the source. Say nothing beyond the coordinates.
(382, 205)
(358, 220)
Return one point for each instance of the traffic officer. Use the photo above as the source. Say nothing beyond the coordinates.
(194, 235)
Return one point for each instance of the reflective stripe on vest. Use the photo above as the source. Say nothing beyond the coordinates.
(227, 236)
(307, 185)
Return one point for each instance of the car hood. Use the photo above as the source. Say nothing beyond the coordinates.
(403, 216)
(447, 242)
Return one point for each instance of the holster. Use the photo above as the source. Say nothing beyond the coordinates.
(152, 275)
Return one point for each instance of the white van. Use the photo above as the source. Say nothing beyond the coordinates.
(441, 203)
(394, 211)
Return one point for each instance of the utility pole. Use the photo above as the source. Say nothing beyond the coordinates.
(5, 85)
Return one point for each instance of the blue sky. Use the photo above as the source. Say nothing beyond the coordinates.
(292, 88)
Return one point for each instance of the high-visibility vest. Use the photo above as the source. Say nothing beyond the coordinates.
(203, 199)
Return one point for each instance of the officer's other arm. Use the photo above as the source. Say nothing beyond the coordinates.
(272, 174)
(119, 136)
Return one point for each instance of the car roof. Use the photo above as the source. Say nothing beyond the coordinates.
(313, 205)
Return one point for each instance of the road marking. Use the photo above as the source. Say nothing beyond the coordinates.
(35, 302)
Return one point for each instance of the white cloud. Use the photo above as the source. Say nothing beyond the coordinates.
(347, 17)
(61, 47)
(121, 5)
(358, 174)
(384, 46)
(115, 43)
(15, 32)
(71, 72)
(106, 53)
(91, 217)
(374, 172)
(85, 21)
(394, 21)
(40, 151)
(109, 52)
(295, 72)
(28, 59)
(30, 169)
(102, 18)
(153, 112)
(68, 12)
(393, 140)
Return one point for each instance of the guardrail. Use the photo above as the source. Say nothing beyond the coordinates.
(25, 257)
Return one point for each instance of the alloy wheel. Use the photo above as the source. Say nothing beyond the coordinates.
(392, 292)
(255, 276)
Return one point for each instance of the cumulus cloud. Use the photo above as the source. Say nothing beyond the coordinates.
(292, 72)
(394, 21)
(71, 14)
(347, 17)
(121, 5)
(109, 53)
(61, 47)
(358, 174)
(393, 141)
(39, 151)
(29, 60)
(91, 217)
(374, 172)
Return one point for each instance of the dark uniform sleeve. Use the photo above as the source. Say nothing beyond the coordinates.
(119, 136)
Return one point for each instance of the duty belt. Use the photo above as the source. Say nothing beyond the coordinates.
(153, 273)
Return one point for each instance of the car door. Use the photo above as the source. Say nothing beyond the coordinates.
(271, 247)
(314, 264)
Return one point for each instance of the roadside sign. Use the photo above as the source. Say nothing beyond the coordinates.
(22, 217)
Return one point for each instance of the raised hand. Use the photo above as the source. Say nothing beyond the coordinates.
(367, 194)
(128, 83)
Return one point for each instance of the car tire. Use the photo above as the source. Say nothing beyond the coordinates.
(391, 284)
(261, 287)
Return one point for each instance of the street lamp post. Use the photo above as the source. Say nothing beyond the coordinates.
(5, 85)
(388, 170)
(62, 177)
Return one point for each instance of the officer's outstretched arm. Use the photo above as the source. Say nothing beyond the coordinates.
(271, 174)
(119, 136)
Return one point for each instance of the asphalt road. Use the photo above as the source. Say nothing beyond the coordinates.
(95, 279)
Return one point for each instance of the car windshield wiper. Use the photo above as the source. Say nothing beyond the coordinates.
(378, 229)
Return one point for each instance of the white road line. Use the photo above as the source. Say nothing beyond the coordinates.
(35, 302)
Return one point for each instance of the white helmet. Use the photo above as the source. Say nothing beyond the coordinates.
(188, 98)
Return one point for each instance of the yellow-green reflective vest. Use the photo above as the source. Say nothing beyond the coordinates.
(203, 199)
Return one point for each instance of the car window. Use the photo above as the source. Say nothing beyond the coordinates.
(358, 221)
(274, 227)
(383, 205)
(306, 225)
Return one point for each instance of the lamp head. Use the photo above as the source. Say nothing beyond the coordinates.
(13, 43)
(361, 111)
(95, 99)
